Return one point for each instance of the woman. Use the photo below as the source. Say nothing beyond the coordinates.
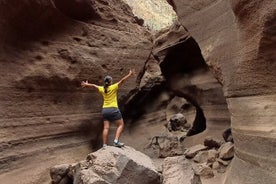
(110, 111)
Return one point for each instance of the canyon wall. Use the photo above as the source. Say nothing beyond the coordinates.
(176, 80)
(47, 49)
(188, 76)
(237, 39)
(217, 64)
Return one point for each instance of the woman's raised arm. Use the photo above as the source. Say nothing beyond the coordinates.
(130, 73)
(86, 84)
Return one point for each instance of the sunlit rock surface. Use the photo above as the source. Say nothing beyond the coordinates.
(156, 14)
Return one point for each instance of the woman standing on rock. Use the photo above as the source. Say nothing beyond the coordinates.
(110, 111)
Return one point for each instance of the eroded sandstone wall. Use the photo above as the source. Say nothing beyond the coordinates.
(177, 80)
(237, 38)
(47, 48)
(188, 77)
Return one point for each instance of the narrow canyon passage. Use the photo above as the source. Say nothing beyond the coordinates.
(214, 68)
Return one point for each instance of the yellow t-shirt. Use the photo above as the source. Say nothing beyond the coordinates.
(110, 98)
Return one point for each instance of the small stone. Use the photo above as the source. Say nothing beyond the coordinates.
(192, 151)
(212, 142)
(223, 162)
(58, 172)
(226, 151)
(216, 165)
(203, 170)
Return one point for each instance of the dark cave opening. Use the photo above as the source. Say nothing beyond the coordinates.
(185, 58)
(142, 101)
(199, 124)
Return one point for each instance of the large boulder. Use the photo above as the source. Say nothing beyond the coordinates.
(113, 165)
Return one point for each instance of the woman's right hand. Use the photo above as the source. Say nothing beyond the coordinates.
(84, 84)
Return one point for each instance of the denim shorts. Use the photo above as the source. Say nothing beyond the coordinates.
(111, 114)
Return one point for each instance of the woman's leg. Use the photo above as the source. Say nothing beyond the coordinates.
(120, 124)
(119, 130)
(105, 131)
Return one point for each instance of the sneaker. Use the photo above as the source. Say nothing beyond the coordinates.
(118, 144)
(104, 145)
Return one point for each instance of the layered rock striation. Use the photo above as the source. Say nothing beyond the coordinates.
(236, 39)
(216, 64)
(47, 48)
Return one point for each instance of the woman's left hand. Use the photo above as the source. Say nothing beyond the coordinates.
(131, 72)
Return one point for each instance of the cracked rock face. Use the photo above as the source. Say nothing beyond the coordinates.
(236, 39)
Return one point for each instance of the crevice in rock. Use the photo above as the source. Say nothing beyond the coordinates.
(199, 124)
(80, 10)
(144, 101)
(171, 2)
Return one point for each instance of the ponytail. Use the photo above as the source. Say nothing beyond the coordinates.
(107, 82)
